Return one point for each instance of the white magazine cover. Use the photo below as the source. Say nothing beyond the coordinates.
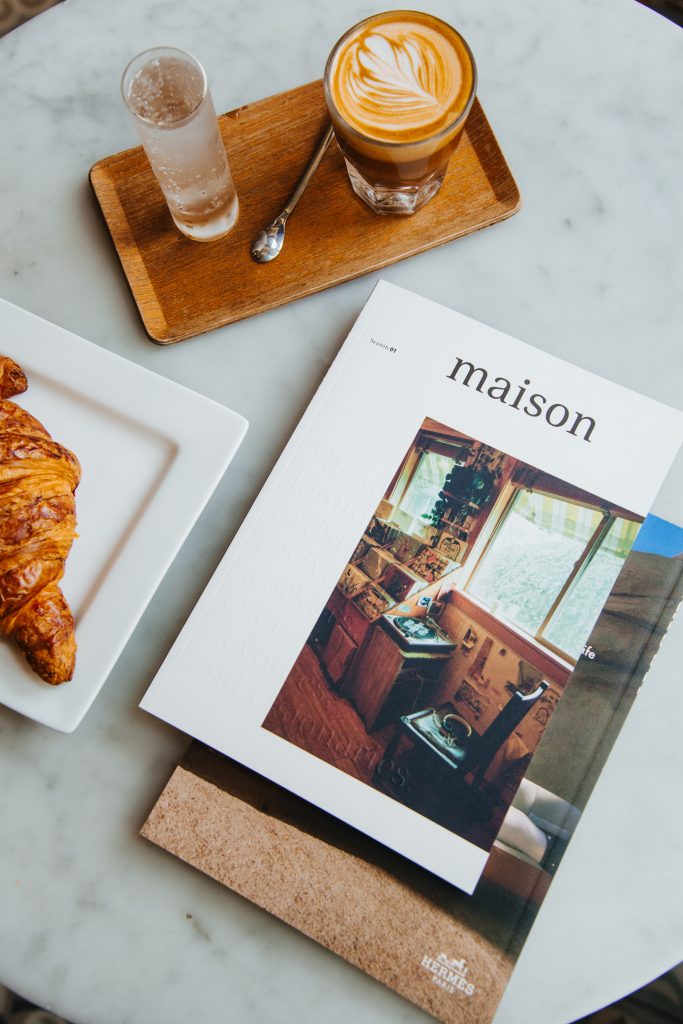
(396, 620)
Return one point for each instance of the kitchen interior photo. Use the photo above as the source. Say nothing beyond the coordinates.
(441, 655)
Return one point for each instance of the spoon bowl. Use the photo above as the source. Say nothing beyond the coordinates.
(267, 244)
(269, 241)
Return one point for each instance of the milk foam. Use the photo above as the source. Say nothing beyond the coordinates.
(401, 80)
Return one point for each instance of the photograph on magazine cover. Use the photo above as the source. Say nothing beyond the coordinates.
(439, 659)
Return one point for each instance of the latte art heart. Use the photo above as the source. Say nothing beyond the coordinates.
(400, 80)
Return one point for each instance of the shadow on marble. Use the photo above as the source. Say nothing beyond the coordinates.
(671, 9)
(15, 1010)
(660, 1002)
(15, 12)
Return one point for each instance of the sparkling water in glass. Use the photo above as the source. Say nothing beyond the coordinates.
(166, 92)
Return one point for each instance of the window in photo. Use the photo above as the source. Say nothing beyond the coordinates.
(422, 491)
(550, 565)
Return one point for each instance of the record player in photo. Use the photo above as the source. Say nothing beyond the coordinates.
(421, 634)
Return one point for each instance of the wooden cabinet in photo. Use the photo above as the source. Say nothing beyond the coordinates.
(387, 681)
(338, 653)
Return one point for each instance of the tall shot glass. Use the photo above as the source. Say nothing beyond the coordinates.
(166, 91)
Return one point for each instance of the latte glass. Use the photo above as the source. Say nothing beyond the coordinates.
(166, 92)
(399, 87)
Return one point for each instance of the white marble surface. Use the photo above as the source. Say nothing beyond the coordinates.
(585, 99)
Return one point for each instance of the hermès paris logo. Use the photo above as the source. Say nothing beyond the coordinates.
(450, 975)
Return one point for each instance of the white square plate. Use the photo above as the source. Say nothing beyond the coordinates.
(151, 452)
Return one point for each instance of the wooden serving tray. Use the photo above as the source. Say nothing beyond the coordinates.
(183, 288)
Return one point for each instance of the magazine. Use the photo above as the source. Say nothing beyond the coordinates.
(449, 953)
(393, 629)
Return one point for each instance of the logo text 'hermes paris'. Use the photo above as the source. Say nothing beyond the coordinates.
(450, 975)
(500, 389)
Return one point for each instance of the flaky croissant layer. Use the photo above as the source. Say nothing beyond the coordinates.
(38, 478)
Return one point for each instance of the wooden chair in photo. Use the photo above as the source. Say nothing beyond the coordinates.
(482, 749)
(420, 771)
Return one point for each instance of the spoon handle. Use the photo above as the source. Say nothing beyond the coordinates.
(308, 174)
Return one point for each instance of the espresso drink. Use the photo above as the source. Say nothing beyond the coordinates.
(399, 87)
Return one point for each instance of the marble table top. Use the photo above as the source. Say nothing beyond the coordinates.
(585, 99)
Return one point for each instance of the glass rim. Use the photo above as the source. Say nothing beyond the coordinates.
(148, 54)
(390, 143)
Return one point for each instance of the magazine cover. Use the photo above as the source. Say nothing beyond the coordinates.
(395, 624)
(450, 953)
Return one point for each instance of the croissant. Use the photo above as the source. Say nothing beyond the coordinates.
(38, 478)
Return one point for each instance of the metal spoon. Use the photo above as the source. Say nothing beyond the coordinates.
(268, 243)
